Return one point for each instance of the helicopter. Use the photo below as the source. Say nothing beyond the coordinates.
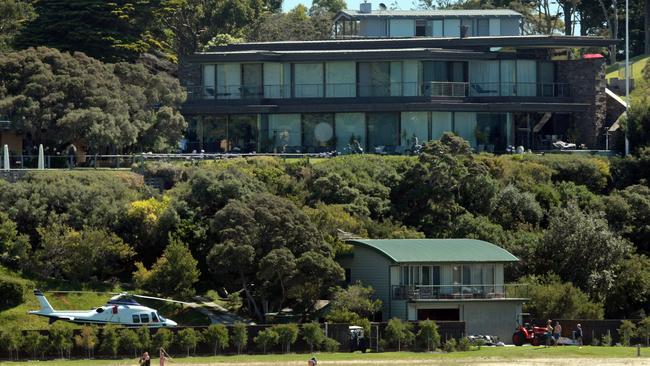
(121, 309)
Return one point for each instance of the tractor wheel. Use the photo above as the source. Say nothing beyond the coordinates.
(518, 338)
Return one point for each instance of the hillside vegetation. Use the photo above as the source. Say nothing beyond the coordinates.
(266, 231)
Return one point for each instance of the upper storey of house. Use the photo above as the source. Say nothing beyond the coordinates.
(383, 23)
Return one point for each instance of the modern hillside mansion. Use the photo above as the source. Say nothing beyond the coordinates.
(392, 79)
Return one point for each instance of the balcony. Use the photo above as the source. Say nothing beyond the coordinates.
(432, 89)
(458, 292)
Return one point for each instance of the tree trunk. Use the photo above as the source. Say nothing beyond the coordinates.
(250, 298)
(568, 18)
(647, 27)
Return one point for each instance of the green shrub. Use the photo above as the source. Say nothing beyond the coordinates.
(188, 338)
(239, 336)
(463, 345)
(330, 345)
(626, 331)
(217, 336)
(313, 335)
(450, 345)
(12, 290)
(266, 339)
(606, 340)
(428, 334)
(287, 335)
(398, 333)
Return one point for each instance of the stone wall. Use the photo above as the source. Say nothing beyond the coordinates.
(189, 73)
(587, 81)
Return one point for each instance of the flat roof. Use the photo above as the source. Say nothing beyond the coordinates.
(376, 13)
(437, 250)
(528, 41)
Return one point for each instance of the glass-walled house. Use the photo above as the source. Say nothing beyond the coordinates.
(387, 94)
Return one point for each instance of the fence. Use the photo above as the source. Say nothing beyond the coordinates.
(339, 332)
(591, 329)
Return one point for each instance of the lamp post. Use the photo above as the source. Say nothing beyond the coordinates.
(627, 70)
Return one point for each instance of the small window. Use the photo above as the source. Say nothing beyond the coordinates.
(144, 318)
(154, 318)
(420, 28)
(136, 319)
(100, 310)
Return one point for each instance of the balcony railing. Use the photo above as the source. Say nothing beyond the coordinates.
(458, 292)
(5, 125)
(393, 89)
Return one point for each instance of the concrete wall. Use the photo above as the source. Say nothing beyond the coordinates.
(373, 28)
(587, 82)
(371, 268)
(189, 74)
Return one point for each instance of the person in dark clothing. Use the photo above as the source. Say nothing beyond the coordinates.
(145, 360)
(72, 156)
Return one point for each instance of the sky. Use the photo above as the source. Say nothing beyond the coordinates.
(352, 4)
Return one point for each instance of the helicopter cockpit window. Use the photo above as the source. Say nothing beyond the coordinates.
(144, 318)
(136, 319)
(154, 318)
(100, 310)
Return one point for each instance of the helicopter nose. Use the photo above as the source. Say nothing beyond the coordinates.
(170, 323)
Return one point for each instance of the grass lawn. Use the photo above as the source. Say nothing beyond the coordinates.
(507, 354)
(638, 63)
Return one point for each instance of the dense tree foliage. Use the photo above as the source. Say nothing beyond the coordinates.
(59, 98)
(268, 231)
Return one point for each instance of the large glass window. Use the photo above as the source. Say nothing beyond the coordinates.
(374, 79)
(284, 132)
(441, 122)
(467, 274)
(252, 80)
(208, 81)
(341, 77)
(420, 28)
(308, 80)
(436, 28)
(484, 78)
(465, 126)
(228, 81)
(491, 133)
(546, 78)
(452, 27)
(318, 132)
(415, 126)
(526, 77)
(508, 78)
(350, 127)
(273, 80)
(243, 133)
(383, 130)
(214, 134)
(483, 26)
(426, 275)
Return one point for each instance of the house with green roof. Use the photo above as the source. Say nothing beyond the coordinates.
(439, 279)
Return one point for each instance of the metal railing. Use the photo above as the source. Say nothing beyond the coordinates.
(5, 125)
(388, 89)
(459, 292)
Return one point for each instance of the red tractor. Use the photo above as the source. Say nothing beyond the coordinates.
(529, 334)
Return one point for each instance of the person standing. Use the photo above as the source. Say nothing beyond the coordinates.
(578, 335)
(557, 332)
(72, 156)
(145, 360)
(549, 332)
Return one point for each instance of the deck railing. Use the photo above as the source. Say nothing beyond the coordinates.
(459, 292)
(389, 89)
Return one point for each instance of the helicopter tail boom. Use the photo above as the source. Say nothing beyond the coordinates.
(46, 308)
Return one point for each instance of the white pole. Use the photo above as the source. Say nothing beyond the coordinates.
(41, 157)
(627, 68)
(5, 154)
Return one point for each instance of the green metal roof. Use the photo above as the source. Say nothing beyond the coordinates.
(437, 250)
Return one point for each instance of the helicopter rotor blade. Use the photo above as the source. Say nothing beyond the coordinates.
(80, 292)
(162, 299)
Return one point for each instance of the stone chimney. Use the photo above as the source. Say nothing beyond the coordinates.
(365, 7)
